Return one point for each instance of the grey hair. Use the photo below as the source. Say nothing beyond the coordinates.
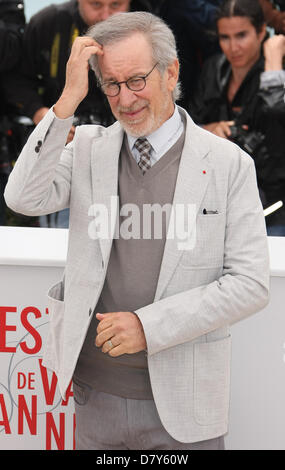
(122, 25)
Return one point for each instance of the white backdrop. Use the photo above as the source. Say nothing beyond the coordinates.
(35, 416)
(32, 415)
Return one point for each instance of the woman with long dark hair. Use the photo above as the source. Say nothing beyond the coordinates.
(241, 97)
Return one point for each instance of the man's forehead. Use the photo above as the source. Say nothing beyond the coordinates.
(132, 54)
(134, 44)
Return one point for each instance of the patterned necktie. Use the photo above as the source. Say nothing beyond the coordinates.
(144, 147)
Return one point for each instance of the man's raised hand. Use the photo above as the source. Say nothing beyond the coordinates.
(76, 82)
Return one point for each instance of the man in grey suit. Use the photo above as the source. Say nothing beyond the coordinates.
(141, 319)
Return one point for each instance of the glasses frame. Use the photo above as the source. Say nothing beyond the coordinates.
(143, 77)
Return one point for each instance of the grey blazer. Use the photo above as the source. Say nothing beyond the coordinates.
(200, 291)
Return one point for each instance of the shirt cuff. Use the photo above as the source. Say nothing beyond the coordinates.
(272, 78)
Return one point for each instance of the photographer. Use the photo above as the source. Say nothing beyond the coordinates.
(241, 97)
(12, 21)
(192, 22)
(46, 47)
(47, 42)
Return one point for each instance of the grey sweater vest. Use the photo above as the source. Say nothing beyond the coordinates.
(133, 270)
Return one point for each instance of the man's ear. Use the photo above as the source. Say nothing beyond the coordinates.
(172, 75)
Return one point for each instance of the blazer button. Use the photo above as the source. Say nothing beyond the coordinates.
(37, 149)
(40, 143)
(90, 311)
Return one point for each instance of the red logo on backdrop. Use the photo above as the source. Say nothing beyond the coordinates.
(30, 402)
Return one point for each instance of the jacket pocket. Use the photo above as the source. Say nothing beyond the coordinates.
(212, 381)
(54, 345)
(208, 249)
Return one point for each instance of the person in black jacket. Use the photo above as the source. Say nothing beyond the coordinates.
(193, 24)
(12, 21)
(47, 43)
(241, 97)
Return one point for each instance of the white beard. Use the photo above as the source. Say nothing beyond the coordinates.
(143, 127)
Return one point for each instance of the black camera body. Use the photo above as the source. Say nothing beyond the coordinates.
(250, 141)
(12, 12)
(11, 5)
(253, 142)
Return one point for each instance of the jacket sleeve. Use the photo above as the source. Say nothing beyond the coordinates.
(10, 46)
(40, 181)
(22, 87)
(271, 92)
(241, 290)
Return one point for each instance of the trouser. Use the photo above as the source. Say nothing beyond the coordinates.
(110, 422)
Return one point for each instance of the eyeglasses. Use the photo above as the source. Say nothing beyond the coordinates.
(133, 84)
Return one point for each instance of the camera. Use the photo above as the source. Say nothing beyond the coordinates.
(253, 142)
(250, 141)
(11, 5)
(12, 12)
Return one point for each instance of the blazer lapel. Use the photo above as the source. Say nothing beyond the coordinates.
(104, 168)
(192, 180)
